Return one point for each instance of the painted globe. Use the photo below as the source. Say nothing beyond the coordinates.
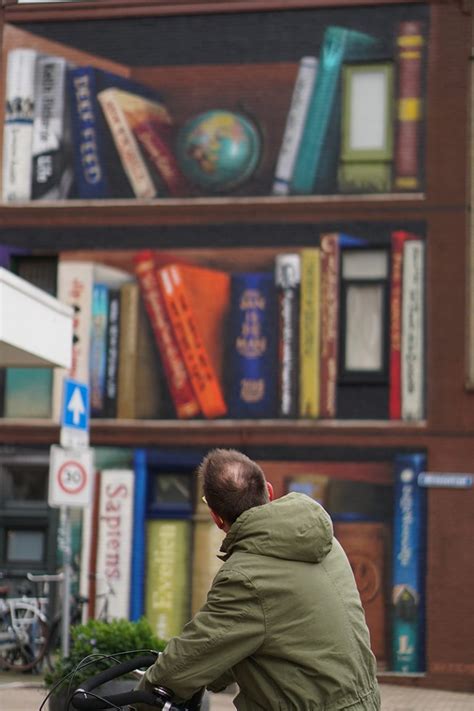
(218, 150)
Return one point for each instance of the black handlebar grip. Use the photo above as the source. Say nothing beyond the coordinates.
(145, 660)
(83, 701)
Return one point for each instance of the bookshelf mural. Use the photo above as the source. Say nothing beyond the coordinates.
(337, 109)
(377, 507)
(333, 328)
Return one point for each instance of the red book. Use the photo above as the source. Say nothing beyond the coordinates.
(156, 147)
(185, 402)
(395, 380)
(329, 323)
(365, 544)
(152, 126)
(202, 374)
(410, 47)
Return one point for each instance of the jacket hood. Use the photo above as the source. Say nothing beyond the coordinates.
(294, 527)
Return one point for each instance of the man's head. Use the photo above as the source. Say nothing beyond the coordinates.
(232, 483)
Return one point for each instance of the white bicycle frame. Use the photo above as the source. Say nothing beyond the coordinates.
(17, 625)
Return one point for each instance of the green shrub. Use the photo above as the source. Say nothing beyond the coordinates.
(98, 637)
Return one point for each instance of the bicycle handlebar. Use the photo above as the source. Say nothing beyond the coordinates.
(84, 700)
(57, 578)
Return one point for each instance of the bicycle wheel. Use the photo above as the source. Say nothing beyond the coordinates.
(29, 634)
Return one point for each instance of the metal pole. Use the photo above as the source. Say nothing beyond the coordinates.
(66, 539)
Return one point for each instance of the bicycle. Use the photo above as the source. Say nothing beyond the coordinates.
(85, 699)
(23, 632)
(77, 605)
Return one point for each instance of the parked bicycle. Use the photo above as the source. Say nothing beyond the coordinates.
(77, 603)
(23, 632)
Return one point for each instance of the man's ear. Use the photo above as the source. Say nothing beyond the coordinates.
(217, 519)
(271, 493)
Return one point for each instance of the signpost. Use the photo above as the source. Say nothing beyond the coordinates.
(71, 472)
(75, 415)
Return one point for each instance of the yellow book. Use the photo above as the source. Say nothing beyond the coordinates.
(310, 330)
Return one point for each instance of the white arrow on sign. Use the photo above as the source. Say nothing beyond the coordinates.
(76, 406)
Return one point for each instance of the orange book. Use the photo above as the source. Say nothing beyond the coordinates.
(178, 380)
(209, 293)
(180, 303)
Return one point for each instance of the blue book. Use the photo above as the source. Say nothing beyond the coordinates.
(112, 354)
(253, 363)
(408, 554)
(98, 171)
(98, 348)
(137, 582)
(340, 44)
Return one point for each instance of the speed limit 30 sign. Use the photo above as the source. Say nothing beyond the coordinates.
(70, 477)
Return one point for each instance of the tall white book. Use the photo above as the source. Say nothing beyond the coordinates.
(75, 287)
(18, 127)
(114, 550)
(413, 327)
(52, 163)
(295, 121)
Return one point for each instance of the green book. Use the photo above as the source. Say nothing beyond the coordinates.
(167, 586)
(339, 44)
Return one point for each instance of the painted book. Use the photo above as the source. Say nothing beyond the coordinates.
(288, 286)
(177, 378)
(140, 391)
(138, 565)
(295, 121)
(410, 44)
(27, 391)
(75, 287)
(98, 348)
(114, 552)
(253, 356)
(88, 566)
(310, 333)
(413, 331)
(340, 44)
(18, 127)
(167, 595)
(207, 540)
(98, 170)
(181, 313)
(398, 238)
(133, 162)
(112, 351)
(51, 146)
(365, 544)
(152, 126)
(408, 565)
(331, 244)
(367, 128)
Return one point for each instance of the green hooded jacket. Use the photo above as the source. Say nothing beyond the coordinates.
(283, 619)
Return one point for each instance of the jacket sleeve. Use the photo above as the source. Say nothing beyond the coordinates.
(228, 628)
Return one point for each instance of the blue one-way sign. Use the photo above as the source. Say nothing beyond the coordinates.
(75, 412)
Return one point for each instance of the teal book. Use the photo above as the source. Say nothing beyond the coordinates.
(98, 348)
(28, 391)
(340, 44)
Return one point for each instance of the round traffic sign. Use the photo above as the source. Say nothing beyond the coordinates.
(72, 477)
